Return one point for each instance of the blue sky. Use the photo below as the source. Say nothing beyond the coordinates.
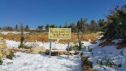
(41, 12)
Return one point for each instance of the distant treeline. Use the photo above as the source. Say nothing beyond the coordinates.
(82, 25)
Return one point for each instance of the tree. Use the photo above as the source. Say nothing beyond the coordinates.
(40, 27)
(81, 28)
(102, 24)
(73, 27)
(47, 27)
(93, 26)
(16, 27)
(53, 26)
(9, 28)
(66, 25)
(27, 28)
(82, 25)
(60, 26)
(116, 27)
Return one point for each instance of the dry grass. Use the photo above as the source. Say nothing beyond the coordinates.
(44, 37)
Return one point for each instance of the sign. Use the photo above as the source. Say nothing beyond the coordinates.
(59, 33)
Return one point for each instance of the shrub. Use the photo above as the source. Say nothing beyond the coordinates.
(24, 46)
(21, 46)
(11, 55)
(90, 49)
(73, 48)
(1, 62)
(40, 52)
(47, 52)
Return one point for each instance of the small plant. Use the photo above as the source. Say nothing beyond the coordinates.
(47, 52)
(75, 48)
(40, 52)
(11, 55)
(25, 47)
(21, 46)
(90, 49)
(1, 62)
(108, 62)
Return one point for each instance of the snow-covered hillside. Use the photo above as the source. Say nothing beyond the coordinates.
(107, 58)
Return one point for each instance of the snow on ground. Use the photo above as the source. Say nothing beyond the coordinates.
(12, 44)
(103, 68)
(13, 32)
(42, 62)
(86, 43)
(117, 56)
(46, 45)
(37, 62)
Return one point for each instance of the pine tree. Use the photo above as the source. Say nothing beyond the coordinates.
(27, 28)
(93, 26)
(116, 27)
(16, 27)
(47, 27)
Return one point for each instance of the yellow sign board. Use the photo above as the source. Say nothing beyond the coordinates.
(59, 33)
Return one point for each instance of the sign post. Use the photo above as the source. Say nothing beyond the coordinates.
(50, 48)
(59, 33)
(68, 48)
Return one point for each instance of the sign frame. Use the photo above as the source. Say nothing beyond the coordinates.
(59, 33)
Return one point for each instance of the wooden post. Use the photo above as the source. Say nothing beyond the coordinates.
(68, 48)
(50, 48)
(21, 37)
